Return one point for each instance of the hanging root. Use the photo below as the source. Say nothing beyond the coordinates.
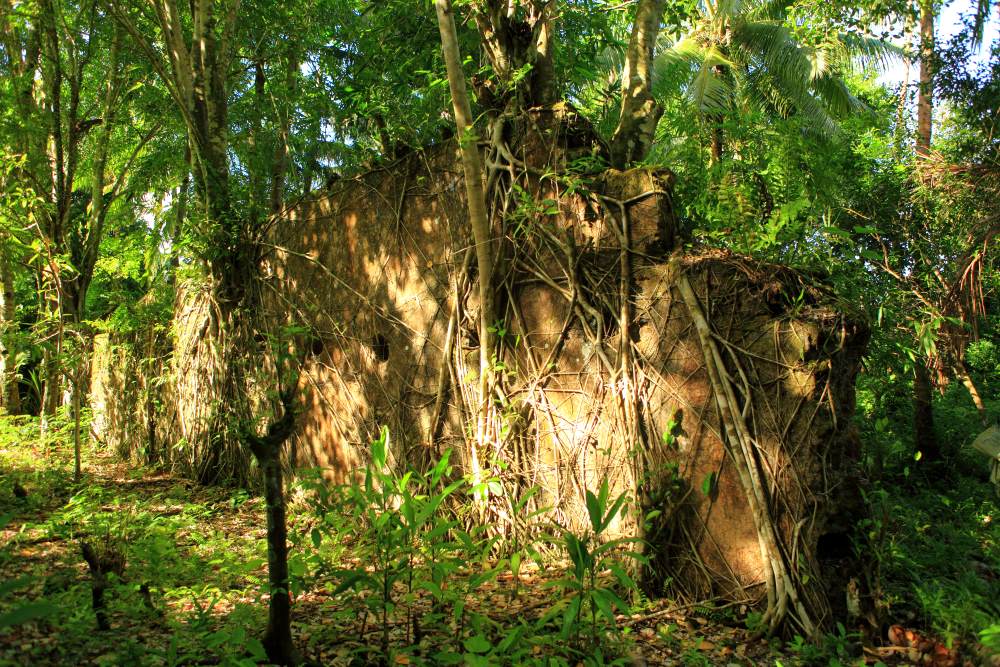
(783, 599)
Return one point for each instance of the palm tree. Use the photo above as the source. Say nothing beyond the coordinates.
(740, 53)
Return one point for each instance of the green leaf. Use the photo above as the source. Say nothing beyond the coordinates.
(612, 513)
(431, 588)
(602, 602)
(7, 587)
(440, 468)
(509, 640)
(708, 484)
(447, 658)
(570, 616)
(25, 613)
(594, 510)
(622, 576)
(515, 563)
(602, 498)
(477, 644)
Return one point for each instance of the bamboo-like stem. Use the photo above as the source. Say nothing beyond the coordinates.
(478, 217)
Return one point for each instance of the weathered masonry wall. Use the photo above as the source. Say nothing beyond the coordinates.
(378, 269)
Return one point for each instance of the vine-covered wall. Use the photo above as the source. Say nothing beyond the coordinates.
(714, 391)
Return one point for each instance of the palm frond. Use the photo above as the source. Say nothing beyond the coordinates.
(786, 100)
(835, 95)
(673, 69)
(759, 91)
(820, 62)
(709, 92)
(725, 10)
(611, 59)
(765, 10)
(863, 52)
(771, 45)
(690, 51)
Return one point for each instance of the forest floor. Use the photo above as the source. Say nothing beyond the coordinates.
(192, 589)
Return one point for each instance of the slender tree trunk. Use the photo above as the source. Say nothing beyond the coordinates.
(267, 450)
(925, 94)
(180, 213)
(640, 113)
(278, 638)
(923, 411)
(472, 167)
(152, 446)
(51, 365)
(923, 414)
(94, 230)
(8, 311)
(77, 458)
(279, 163)
(718, 138)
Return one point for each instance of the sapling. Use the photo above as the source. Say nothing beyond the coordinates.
(590, 556)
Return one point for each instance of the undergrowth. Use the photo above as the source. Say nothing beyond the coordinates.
(931, 545)
(389, 570)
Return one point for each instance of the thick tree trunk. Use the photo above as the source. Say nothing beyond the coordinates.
(925, 94)
(640, 113)
(923, 415)
(519, 35)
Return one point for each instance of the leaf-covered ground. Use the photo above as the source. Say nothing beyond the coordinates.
(192, 591)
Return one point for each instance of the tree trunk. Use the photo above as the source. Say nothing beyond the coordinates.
(51, 362)
(94, 229)
(640, 113)
(180, 213)
(472, 167)
(925, 94)
(279, 162)
(278, 638)
(77, 458)
(516, 36)
(923, 415)
(267, 450)
(8, 325)
(718, 138)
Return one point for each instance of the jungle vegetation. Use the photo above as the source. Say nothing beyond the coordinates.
(148, 146)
